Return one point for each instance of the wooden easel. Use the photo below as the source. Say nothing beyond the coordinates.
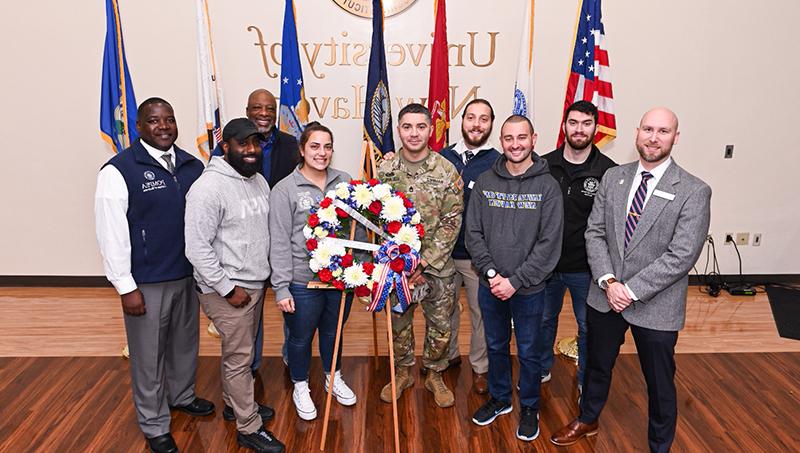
(368, 170)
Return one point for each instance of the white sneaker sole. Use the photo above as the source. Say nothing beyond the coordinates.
(342, 400)
(489, 421)
(306, 415)
(527, 439)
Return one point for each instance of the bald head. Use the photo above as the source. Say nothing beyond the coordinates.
(656, 135)
(262, 110)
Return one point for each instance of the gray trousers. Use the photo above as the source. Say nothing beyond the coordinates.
(163, 344)
(478, 356)
(237, 329)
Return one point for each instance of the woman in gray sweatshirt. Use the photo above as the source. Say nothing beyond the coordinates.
(306, 310)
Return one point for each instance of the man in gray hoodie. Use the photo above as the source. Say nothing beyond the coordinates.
(227, 242)
(514, 223)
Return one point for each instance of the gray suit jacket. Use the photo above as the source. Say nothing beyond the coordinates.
(665, 245)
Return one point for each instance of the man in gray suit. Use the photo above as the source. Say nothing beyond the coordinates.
(646, 230)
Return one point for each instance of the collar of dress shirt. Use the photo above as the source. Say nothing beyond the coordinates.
(461, 147)
(657, 172)
(157, 153)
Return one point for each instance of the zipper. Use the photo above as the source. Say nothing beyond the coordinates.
(144, 243)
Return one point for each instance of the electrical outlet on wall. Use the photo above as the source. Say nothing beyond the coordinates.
(729, 151)
(742, 238)
(726, 237)
(756, 239)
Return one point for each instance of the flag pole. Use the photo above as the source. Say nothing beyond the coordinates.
(390, 336)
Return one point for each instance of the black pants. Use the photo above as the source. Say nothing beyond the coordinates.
(656, 349)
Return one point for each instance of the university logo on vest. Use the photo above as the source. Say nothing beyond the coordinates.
(512, 200)
(150, 183)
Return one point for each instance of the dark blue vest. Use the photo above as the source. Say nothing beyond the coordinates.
(469, 173)
(156, 204)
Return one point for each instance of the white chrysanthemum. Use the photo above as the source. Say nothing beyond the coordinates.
(363, 196)
(382, 191)
(330, 194)
(406, 235)
(308, 233)
(337, 273)
(343, 190)
(393, 209)
(320, 232)
(355, 276)
(328, 215)
(313, 264)
(377, 271)
(416, 218)
(322, 256)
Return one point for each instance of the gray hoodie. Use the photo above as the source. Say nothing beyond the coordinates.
(291, 200)
(227, 229)
(514, 224)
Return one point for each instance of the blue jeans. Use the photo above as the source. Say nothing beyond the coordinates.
(578, 284)
(314, 309)
(258, 351)
(526, 310)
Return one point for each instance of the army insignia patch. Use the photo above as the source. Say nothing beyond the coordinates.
(379, 111)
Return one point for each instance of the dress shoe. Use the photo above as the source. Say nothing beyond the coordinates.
(479, 383)
(162, 444)
(265, 412)
(196, 408)
(573, 432)
(450, 364)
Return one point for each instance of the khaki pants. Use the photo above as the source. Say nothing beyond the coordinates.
(237, 329)
(478, 356)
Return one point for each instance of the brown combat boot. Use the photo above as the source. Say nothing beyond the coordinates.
(441, 394)
(403, 380)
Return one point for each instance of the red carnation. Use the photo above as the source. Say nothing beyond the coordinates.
(341, 214)
(368, 268)
(362, 291)
(313, 220)
(311, 245)
(325, 202)
(356, 182)
(375, 207)
(398, 264)
(325, 275)
(420, 230)
(373, 182)
(347, 261)
(338, 284)
(393, 227)
(407, 203)
(400, 194)
(404, 248)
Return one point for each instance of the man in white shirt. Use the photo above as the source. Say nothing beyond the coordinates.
(139, 206)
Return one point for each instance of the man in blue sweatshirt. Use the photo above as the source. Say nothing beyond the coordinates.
(471, 156)
(514, 225)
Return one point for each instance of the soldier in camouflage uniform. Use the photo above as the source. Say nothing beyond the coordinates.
(435, 186)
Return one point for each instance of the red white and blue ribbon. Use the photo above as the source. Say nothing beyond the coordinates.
(389, 279)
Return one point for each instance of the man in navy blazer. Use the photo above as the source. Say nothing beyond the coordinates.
(646, 231)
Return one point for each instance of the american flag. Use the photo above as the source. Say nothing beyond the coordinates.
(590, 75)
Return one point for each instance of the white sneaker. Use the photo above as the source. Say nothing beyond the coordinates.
(302, 401)
(344, 395)
(546, 377)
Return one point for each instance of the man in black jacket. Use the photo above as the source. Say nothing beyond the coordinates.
(578, 166)
(280, 157)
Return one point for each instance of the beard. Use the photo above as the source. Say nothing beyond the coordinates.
(649, 156)
(244, 168)
(579, 143)
(476, 143)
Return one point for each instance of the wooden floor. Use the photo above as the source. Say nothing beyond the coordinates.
(63, 387)
(77, 322)
(727, 403)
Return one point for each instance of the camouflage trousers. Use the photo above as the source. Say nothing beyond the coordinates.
(437, 307)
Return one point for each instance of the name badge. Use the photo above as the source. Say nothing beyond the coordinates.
(665, 195)
(471, 184)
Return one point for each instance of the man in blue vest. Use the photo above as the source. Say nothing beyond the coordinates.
(139, 211)
(471, 156)
(280, 156)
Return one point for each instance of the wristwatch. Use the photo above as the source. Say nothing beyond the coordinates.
(491, 273)
(604, 284)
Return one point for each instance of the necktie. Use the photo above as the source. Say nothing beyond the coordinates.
(168, 159)
(637, 205)
(468, 155)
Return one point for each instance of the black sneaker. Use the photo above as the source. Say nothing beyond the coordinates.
(261, 441)
(265, 412)
(490, 411)
(528, 424)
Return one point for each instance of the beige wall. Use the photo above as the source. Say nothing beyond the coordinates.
(729, 73)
